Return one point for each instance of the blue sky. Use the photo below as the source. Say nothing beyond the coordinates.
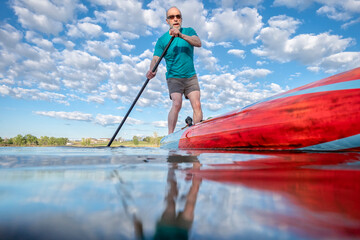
(72, 68)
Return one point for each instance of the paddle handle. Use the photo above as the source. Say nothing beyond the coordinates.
(139, 94)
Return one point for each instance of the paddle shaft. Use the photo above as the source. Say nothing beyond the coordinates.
(139, 94)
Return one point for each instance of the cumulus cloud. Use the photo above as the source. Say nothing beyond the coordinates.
(118, 15)
(237, 4)
(299, 4)
(80, 59)
(278, 43)
(32, 94)
(84, 29)
(45, 16)
(338, 62)
(207, 60)
(96, 99)
(106, 120)
(237, 52)
(244, 24)
(337, 10)
(254, 73)
(40, 23)
(126, 78)
(332, 13)
(9, 36)
(228, 91)
(81, 71)
(102, 49)
(79, 116)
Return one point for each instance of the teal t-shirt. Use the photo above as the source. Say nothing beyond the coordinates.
(180, 55)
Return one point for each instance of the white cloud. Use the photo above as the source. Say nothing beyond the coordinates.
(45, 16)
(102, 49)
(90, 28)
(214, 106)
(332, 13)
(58, 10)
(160, 124)
(339, 62)
(309, 49)
(79, 116)
(106, 120)
(68, 44)
(5, 90)
(237, 52)
(118, 15)
(206, 58)
(120, 40)
(299, 4)
(228, 91)
(213, 44)
(244, 24)
(254, 73)
(237, 4)
(80, 59)
(348, 24)
(84, 29)
(337, 10)
(9, 36)
(126, 79)
(97, 99)
(32, 94)
(37, 22)
(260, 63)
(49, 86)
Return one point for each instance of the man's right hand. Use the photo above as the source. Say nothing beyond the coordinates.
(150, 74)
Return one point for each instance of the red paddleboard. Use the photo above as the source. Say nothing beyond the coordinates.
(320, 116)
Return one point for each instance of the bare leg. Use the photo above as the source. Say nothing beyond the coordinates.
(194, 98)
(174, 111)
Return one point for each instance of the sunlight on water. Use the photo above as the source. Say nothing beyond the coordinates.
(152, 193)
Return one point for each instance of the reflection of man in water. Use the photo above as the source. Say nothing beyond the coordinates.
(174, 225)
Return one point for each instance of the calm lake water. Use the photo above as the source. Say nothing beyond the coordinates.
(152, 193)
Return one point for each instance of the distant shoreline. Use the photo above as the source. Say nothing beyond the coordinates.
(114, 144)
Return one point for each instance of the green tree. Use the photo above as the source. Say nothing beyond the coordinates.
(10, 141)
(1, 140)
(44, 140)
(52, 141)
(31, 140)
(19, 140)
(61, 141)
(135, 140)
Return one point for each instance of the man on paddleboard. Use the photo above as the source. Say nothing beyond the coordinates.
(181, 75)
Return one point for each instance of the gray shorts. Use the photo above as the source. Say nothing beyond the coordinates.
(183, 85)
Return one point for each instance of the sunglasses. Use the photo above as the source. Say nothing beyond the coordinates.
(173, 16)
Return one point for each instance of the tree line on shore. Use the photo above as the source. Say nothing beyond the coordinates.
(30, 140)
